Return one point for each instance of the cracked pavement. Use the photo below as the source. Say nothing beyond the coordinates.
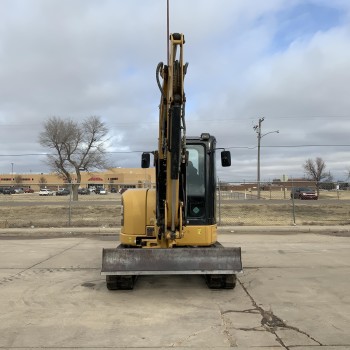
(293, 294)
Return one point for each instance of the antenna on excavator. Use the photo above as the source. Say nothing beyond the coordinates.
(167, 30)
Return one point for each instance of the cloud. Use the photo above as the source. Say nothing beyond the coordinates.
(287, 61)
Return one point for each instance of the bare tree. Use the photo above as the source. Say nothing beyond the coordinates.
(78, 147)
(18, 179)
(316, 171)
(42, 180)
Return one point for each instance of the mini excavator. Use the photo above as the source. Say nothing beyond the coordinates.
(172, 229)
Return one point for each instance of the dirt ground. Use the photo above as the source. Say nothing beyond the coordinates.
(276, 208)
(42, 215)
(280, 194)
(34, 197)
(32, 210)
(337, 213)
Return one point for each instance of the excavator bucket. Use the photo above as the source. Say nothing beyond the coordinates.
(219, 263)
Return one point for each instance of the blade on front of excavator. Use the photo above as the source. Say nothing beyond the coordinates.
(172, 261)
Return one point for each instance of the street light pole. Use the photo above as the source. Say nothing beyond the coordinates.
(257, 129)
(12, 171)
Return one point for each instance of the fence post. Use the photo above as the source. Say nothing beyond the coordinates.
(293, 204)
(70, 205)
(219, 189)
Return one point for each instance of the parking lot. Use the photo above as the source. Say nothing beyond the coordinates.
(293, 294)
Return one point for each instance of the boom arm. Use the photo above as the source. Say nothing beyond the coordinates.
(171, 154)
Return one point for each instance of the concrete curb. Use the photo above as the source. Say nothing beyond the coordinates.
(59, 231)
(114, 231)
(281, 229)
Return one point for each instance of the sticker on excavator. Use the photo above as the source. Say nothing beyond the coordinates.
(172, 261)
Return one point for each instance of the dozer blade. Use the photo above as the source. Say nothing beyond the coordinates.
(171, 261)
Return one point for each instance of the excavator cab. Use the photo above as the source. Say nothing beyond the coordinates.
(201, 179)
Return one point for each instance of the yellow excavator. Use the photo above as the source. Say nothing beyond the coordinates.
(172, 229)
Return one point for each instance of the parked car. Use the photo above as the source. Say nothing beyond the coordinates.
(18, 190)
(113, 190)
(83, 191)
(303, 193)
(98, 189)
(122, 190)
(8, 190)
(63, 192)
(28, 190)
(102, 191)
(92, 189)
(45, 192)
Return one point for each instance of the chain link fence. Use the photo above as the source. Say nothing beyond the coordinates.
(26, 206)
(237, 205)
(284, 204)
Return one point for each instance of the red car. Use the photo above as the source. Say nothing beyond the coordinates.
(28, 190)
(122, 190)
(303, 193)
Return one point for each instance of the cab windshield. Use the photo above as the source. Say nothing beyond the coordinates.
(195, 181)
(195, 171)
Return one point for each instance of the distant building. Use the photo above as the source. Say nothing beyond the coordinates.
(115, 177)
(284, 178)
(296, 182)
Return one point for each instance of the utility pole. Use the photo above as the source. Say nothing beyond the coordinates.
(257, 129)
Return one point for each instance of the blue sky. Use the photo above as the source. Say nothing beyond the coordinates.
(285, 60)
(302, 21)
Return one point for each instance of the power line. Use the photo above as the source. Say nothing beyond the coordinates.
(137, 151)
(299, 146)
(53, 154)
(303, 117)
(285, 146)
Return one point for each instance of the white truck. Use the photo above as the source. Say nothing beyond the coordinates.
(45, 192)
